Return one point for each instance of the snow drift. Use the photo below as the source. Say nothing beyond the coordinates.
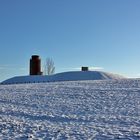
(65, 76)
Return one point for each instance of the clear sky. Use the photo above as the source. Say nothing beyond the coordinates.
(74, 33)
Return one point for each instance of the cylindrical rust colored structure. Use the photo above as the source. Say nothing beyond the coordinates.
(35, 65)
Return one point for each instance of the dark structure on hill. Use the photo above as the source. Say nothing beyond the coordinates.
(35, 65)
(84, 68)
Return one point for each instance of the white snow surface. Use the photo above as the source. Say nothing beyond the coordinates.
(87, 110)
(65, 76)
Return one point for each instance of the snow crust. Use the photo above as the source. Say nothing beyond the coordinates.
(93, 110)
(66, 76)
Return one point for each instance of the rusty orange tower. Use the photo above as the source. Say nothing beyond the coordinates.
(35, 65)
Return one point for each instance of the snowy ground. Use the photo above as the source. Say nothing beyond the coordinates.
(98, 110)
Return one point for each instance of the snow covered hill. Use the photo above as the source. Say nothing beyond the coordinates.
(65, 76)
(87, 110)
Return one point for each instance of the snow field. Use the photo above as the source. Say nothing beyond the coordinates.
(98, 110)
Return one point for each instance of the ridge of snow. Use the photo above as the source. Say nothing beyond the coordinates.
(65, 76)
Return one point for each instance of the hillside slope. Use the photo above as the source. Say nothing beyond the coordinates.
(65, 76)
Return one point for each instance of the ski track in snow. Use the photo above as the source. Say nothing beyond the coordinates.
(89, 110)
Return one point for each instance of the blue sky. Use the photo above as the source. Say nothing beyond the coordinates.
(74, 33)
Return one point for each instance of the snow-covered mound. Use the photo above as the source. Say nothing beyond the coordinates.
(77, 110)
(65, 76)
